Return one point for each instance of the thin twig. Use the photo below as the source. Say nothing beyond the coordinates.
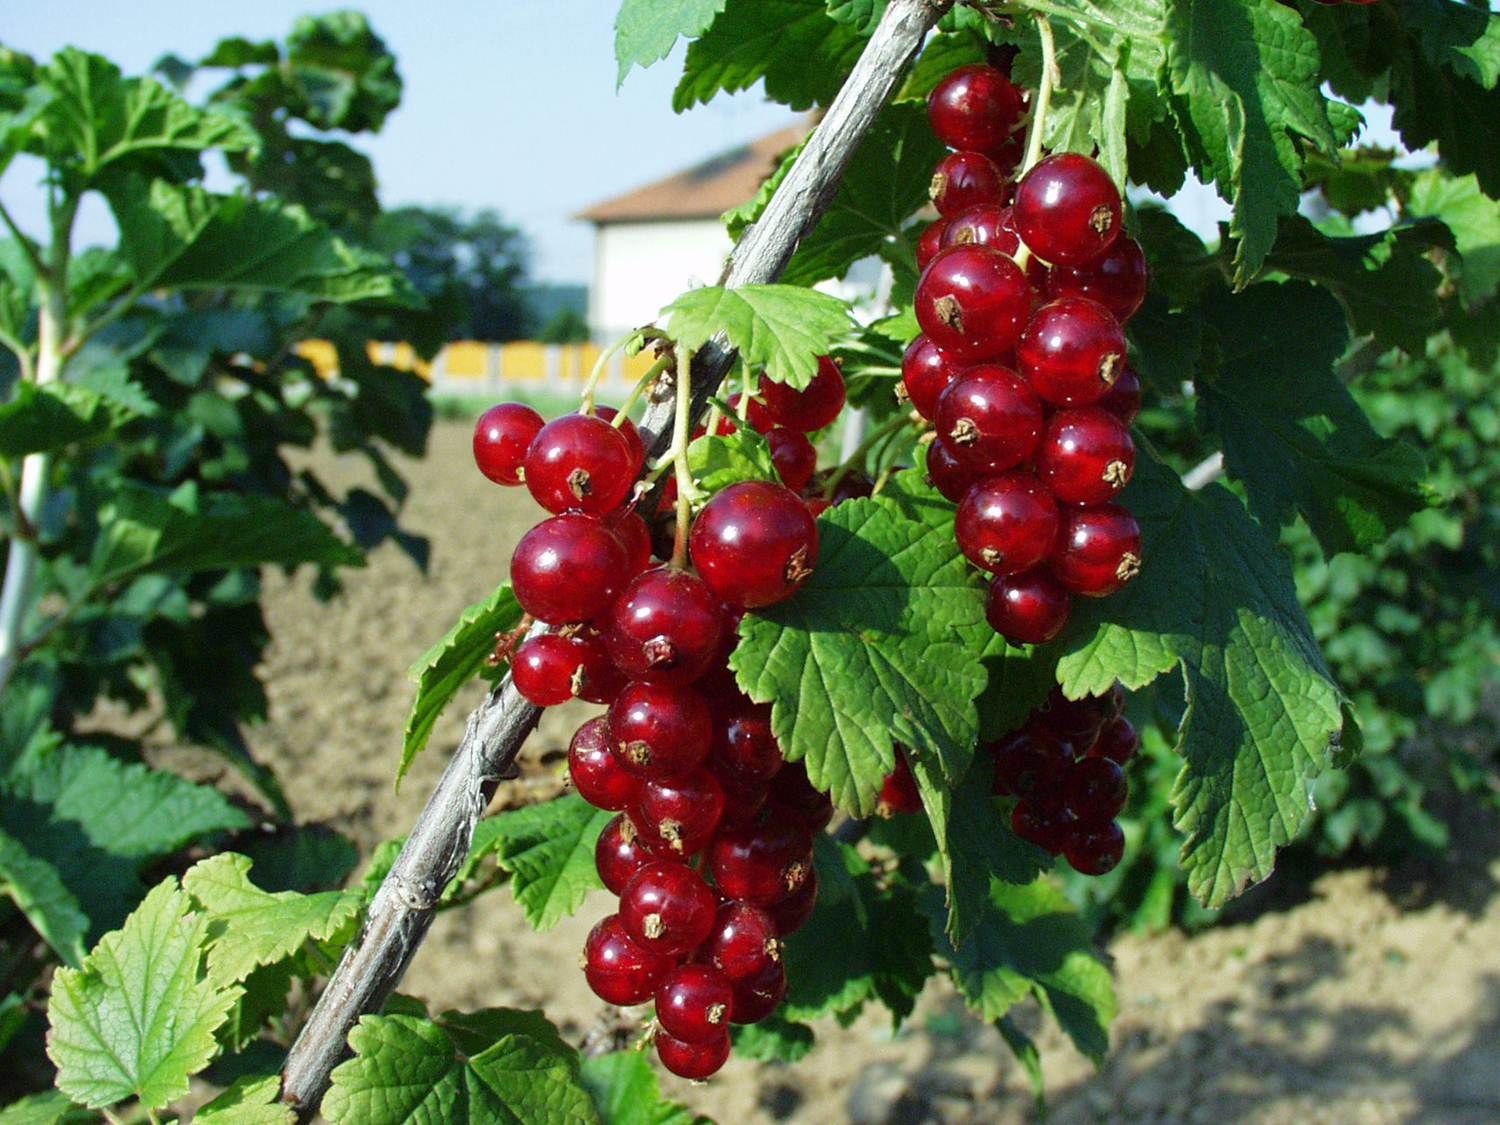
(1204, 473)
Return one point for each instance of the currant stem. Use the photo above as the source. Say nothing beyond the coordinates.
(1051, 77)
(681, 434)
(586, 401)
(623, 414)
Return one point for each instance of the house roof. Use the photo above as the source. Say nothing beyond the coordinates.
(705, 190)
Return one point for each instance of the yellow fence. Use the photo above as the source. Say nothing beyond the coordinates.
(474, 367)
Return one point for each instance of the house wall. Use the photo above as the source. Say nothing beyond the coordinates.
(639, 267)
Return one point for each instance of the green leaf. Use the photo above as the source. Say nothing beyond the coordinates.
(1263, 712)
(782, 328)
(625, 1091)
(773, 1040)
(1464, 39)
(251, 1100)
(46, 419)
(37, 889)
(138, 1019)
(50, 1108)
(252, 927)
(408, 1069)
(646, 30)
(869, 653)
(451, 663)
(1291, 431)
(1026, 1053)
(717, 462)
(341, 73)
(549, 851)
(1474, 219)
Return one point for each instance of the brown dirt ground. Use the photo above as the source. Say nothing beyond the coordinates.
(1374, 999)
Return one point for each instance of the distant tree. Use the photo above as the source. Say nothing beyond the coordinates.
(567, 326)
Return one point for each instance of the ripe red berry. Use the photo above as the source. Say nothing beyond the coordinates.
(987, 224)
(1094, 849)
(618, 970)
(667, 908)
(634, 536)
(1117, 742)
(989, 419)
(744, 750)
(1094, 790)
(964, 180)
(680, 814)
(813, 407)
(620, 852)
(1029, 767)
(631, 435)
(1067, 209)
(1007, 524)
(759, 996)
(597, 774)
(762, 863)
(793, 792)
(1086, 456)
(665, 627)
(580, 462)
(795, 458)
(948, 474)
(926, 373)
(1117, 279)
(744, 941)
(1075, 721)
(1046, 826)
(694, 1061)
(567, 568)
(501, 437)
(1072, 352)
(972, 301)
(929, 242)
(693, 1003)
(1123, 400)
(792, 912)
(975, 107)
(754, 544)
(898, 792)
(742, 804)
(1098, 550)
(1029, 608)
(548, 670)
(657, 730)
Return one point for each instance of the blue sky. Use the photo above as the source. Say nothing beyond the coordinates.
(509, 104)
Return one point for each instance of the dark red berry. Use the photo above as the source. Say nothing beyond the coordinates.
(693, 1003)
(545, 669)
(694, 1061)
(620, 853)
(657, 730)
(634, 536)
(898, 792)
(947, 473)
(1098, 550)
(975, 107)
(795, 457)
(926, 373)
(988, 224)
(1117, 279)
(567, 568)
(580, 462)
(791, 789)
(667, 908)
(618, 970)
(1086, 456)
(929, 242)
(1072, 352)
(1123, 400)
(762, 863)
(754, 544)
(1046, 827)
(744, 749)
(1029, 608)
(501, 437)
(680, 814)
(1118, 742)
(742, 804)
(1094, 849)
(759, 996)
(1075, 721)
(597, 774)
(1115, 700)
(744, 941)
(1095, 790)
(665, 627)
(973, 301)
(854, 486)
(813, 407)
(964, 180)
(989, 419)
(792, 912)
(1067, 209)
(631, 435)
(1007, 524)
(1029, 767)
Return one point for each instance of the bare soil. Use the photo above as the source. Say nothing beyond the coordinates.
(1374, 999)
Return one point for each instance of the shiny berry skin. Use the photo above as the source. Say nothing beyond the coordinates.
(1046, 827)
(1072, 352)
(976, 108)
(693, 1061)
(989, 419)
(631, 435)
(759, 996)
(742, 804)
(580, 462)
(501, 437)
(988, 224)
(754, 544)
(972, 302)
(1029, 767)
(1029, 608)
(947, 473)
(567, 568)
(693, 1003)
(926, 373)
(618, 970)
(812, 408)
(793, 792)
(597, 774)
(1094, 849)
(1098, 550)
(667, 908)
(795, 457)
(744, 941)
(963, 180)
(620, 852)
(1075, 721)
(762, 863)
(792, 912)
(898, 793)
(679, 814)
(1117, 279)
(1086, 456)
(548, 669)
(665, 627)
(1067, 209)
(929, 242)
(1123, 400)
(657, 730)
(744, 750)
(1095, 790)
(631, 530)
(1007, 524)
(1118, 742)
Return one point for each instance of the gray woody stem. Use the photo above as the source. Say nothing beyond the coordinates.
(402, 910)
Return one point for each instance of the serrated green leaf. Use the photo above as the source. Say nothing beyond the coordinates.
(1474, 219)
(717, 461)
(451, 663)
(252, 927)
(50, 1108)
(782, 328)
(773, 1040)
(1026, 1053)
(49, 418)
(251, 1100)
(1263, 710)
(37, 889)
(549, 851)
(868, 653)
(646, 30)
(625, 1091)
(138, 1019)
(1464, 39)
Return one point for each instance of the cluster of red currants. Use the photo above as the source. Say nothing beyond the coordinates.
(1021, 362)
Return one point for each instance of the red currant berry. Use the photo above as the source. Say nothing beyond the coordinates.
(548, 670)
(1029, 608)
(812, 408)
(1117, 742)
(810, 807)
(631, 435)
(1117, 279)
(634, 536)
(854, 486)
(1007, 524)
(620, 853)
(972, 301)
(989, 419)
(680, 814)
(988, 224)
(817, 505)
(792, 912)
(600, 680)
(1075, 721)
(693, 1003)
(1029, 767)
(898, 792)
(1098, 550)
(1072, 352)
(580, 462)
(964, 180)
(926, 373)
(762, 863)
(1094, 849)
(693, 1061)
(754, 544)
(1086, 456)
(744, 750)
(758, 997)
(929, 242)
(795, 458)
(667, 909)
(567, 568)
(665, 628)
(975, 107)
(597, 774)
(618, 970)
(657, 730)
(1095, 790)
(501, 437)
(1046, 827)
(1067, 209)
(1115, 700)
(947, 473)
(1123, 400)
(744, 941)
(742, 804)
